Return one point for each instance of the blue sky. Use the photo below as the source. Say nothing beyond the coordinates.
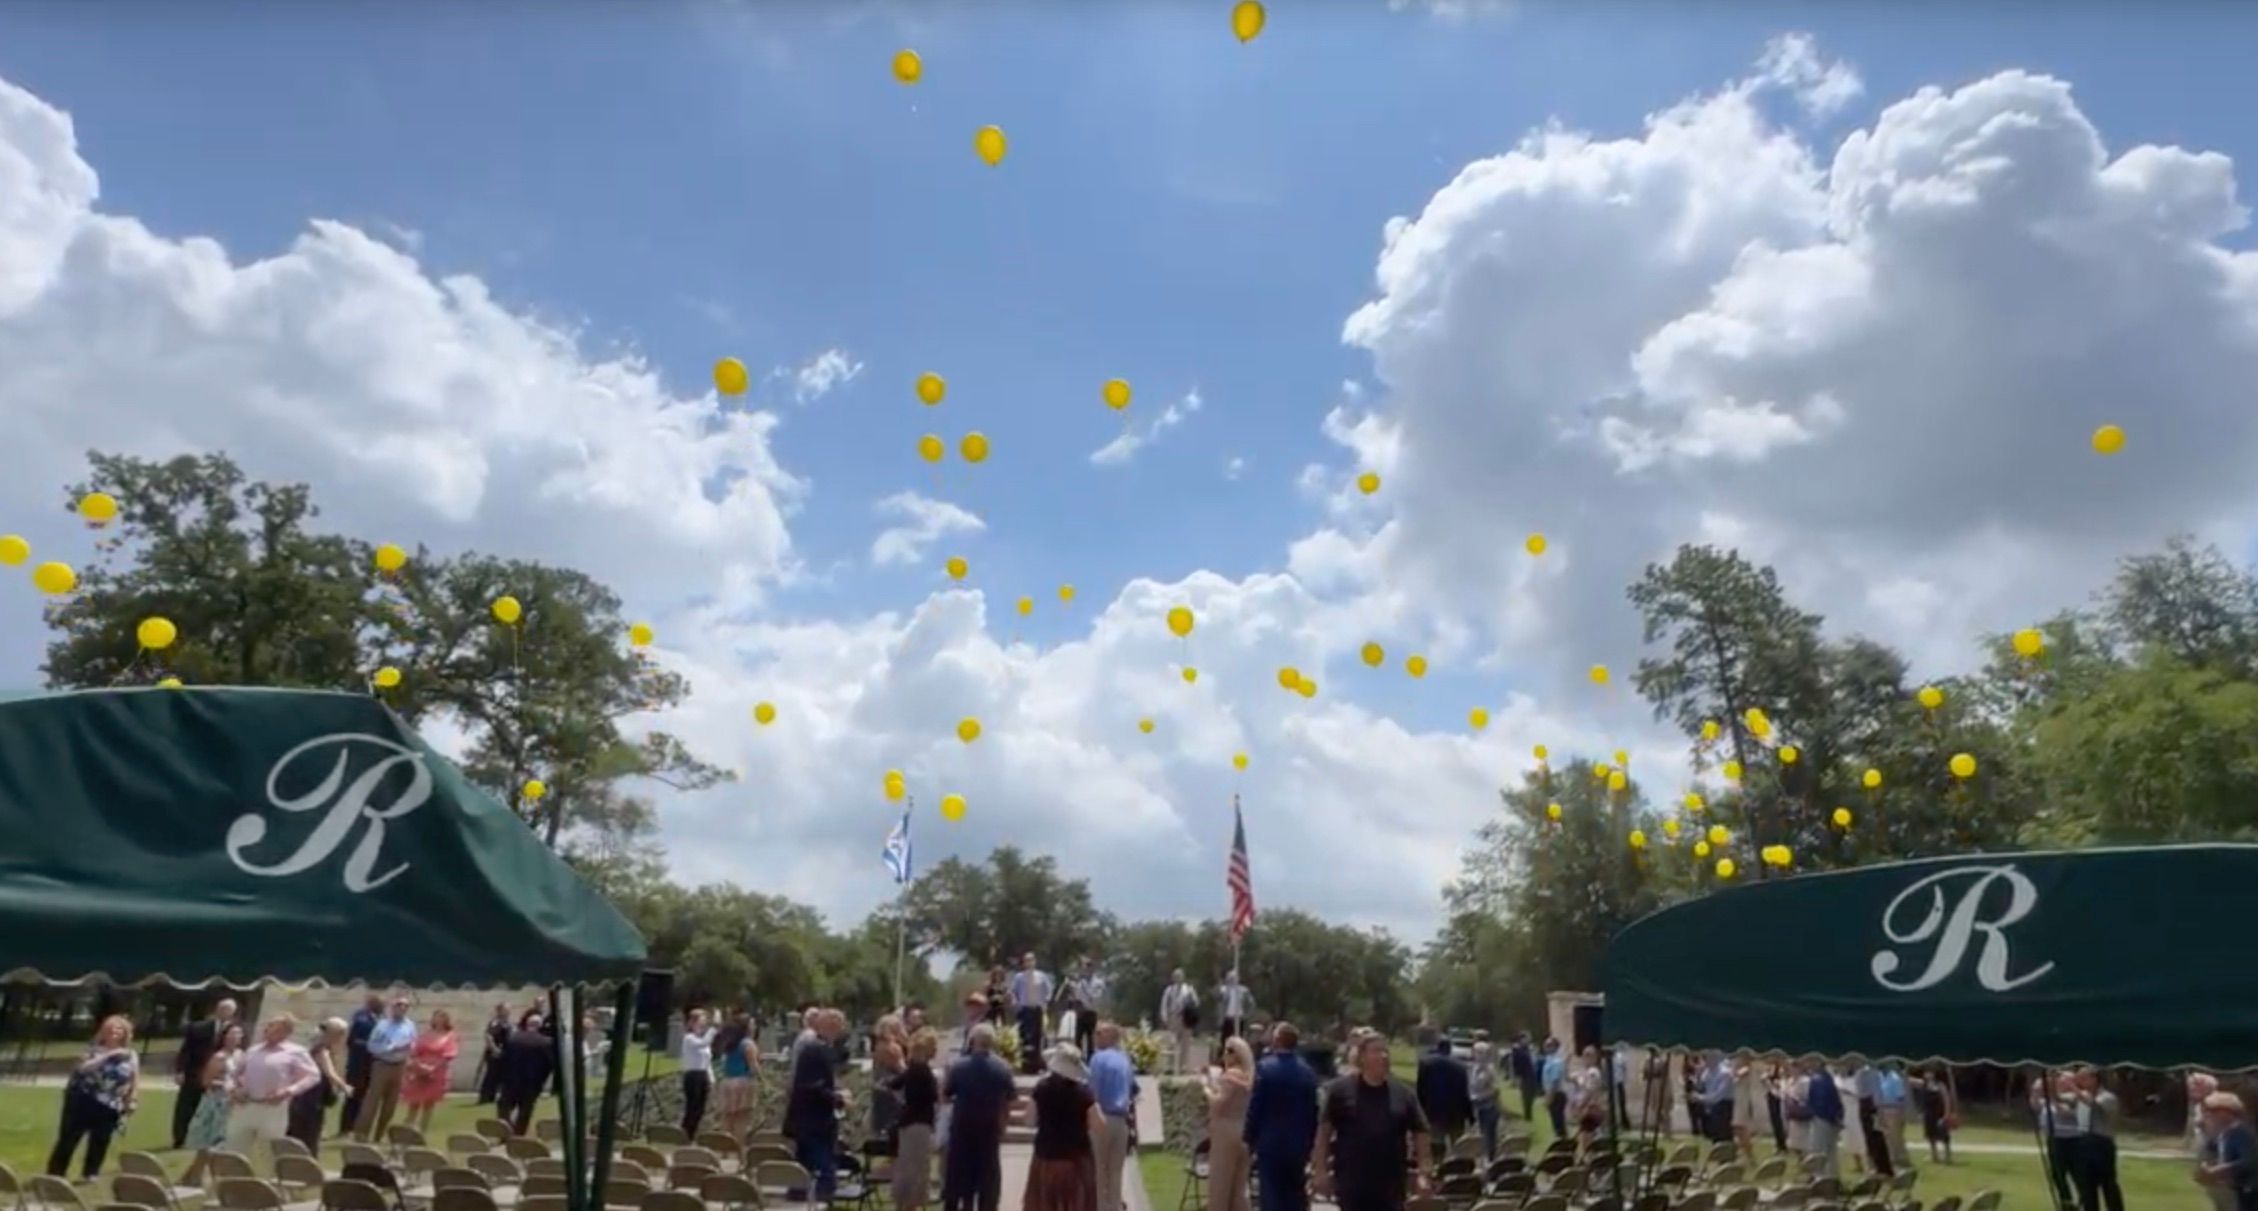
(688, 181)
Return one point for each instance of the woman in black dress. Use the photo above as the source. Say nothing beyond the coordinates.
(1063, 1176)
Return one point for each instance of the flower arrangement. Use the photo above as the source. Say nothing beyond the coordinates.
(1144, 1049)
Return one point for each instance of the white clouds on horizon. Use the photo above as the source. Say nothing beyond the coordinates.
(1123, 448)
(822, 374)
(924, 521)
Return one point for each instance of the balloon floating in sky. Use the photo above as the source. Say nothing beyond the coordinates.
(2108, 439)
(100, 508)
(1535, 545)
(1599, 674)
(1541, 752)
(54, 579)
(952, 807)
(390, 558)
(956, 567)
(1963, 765)
(1789, 754)
(1616, 781)
(894, 785)
(14, 550)
(387, 677)
(1759, 725)
(1307, 688)
(1373, 655)
(156, 634)
(1116, 393)
(2029, 643)
(730, 377)
(1693, 802)
(1552, 812)
(1478, 718)
(1066, 593)
(1180, 621)
(1247, 19)
(1026, 606)
(1289, 677)
(1709, 729)
(1732, 771)
(535, 789)
(1638, 839)
(1238, 761)
(1623, 758)
(989, 144)
(1190, 674)
(908, 68)
(1842, 817)
(1725, 868)
(931, 388)
(1871, 779)
(1368, 483)
(1930, 697)
(764, 713)
(968, 729)
(641, 635)
(507, 610)
(1145, 726)
(1416, 666)
(1701, 849)
(168, 683)
(1670, 828)
(974, 447)
(931, 448)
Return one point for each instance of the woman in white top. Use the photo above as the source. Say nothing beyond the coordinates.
(697, 1070)
(1795, 1107)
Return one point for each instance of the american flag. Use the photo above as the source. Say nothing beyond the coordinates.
(1239, 877)
(897, 853)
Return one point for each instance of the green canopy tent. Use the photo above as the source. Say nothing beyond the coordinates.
(2051, 958)
(237, 836)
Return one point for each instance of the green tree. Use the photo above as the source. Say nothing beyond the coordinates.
(2190, 602)
(1011, 904)
(2157, 752)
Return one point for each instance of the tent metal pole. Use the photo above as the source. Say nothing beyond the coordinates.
(1614, 1139)
(572, 1102)
(615, 1075)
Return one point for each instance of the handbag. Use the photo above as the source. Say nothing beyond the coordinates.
(1191, 1016)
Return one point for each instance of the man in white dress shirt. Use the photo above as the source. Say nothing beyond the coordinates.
(1234, 1003)
(1179, 1013)
(274, 1072)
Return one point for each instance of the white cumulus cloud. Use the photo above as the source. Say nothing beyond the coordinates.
(1132, 439)
(923, 522)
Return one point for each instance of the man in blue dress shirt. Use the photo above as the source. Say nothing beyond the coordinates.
(389, 1042)
(1550, 1072)
(1113, 1082)
(1282, 1122)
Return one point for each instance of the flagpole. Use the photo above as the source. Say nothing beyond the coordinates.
(901, 917)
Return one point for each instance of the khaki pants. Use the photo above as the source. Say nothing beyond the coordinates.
(1228, 1167)
(380, 1100)
(1182, 1038)
(1893, 1131)
(250, 1124)
(1113, 1152)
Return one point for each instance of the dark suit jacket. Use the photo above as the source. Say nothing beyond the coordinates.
(1445, 1093)
(526, 1062)
(1522, 1060)
(196, 1046)
(1282, 1109)
(810, 1111)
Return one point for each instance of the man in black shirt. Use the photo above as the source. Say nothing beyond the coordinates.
(497, 1037)
(529, 1058)
(1445, 1094)
(1522, 1062)
(1372, 1133)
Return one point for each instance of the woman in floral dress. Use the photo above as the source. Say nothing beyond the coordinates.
(209, 1128)
(99, 1096)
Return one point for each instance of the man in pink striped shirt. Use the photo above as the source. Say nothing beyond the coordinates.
(273, 1072)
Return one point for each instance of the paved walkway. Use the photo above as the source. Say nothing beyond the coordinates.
(1016, 1158)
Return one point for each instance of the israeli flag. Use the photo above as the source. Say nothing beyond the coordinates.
(897, 852)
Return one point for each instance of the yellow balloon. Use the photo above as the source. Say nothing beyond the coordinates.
(1693, 802)
(931, 448)
(1289, 677)
(931, 388)
(14, 550)
(1719, 834)
(1478, 718)
(1599, 674)
(1416, 666)
(1872, 778)
(2108, 439)
(908, 68)
(1930, 697)
(764, 713)
(968, 729)
(1307, 688)
(1709, 729)
(1616, 781)
(1701, 849)
(989, 143)
(387, 677)
(1180, 621)
(1758, 725)
(730, 377)
(1066, 593)
(1638, 839)
(952, 808)
(1238, 761)
(1963, 765)
(1623, 758)
(1725, 868)
(1732, 771)
(168, 683)
(1373, 655)
(1788, 754)
(974, 447)
(894, 785)
(956, 567)
(1026, 606)
(390, 558)
(507, 611)
(101, 508)
(1145, 726)
(1247, 19)
(1535, 544)
(1601, 771)
(156, 634)
(640, 634)
(1541, 752)
(1552, 811)
(535, 789)
(1190, 674)
(1842, 817)
(1116, 393)
(1670, 828)
(1368, 483)
(54, 579)
(2029, 643)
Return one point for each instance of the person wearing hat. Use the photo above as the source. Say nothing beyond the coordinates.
(1063, 1174)
(2230, 1163)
